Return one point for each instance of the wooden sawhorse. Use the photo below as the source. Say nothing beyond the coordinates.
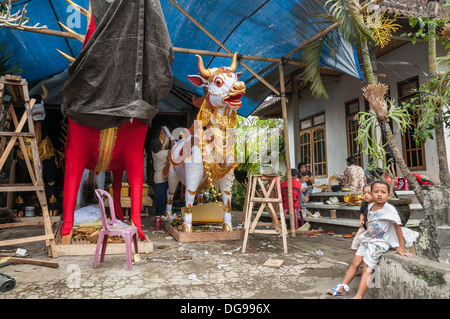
(266, 191)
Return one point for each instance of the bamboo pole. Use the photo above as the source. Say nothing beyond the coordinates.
(230, 55)
(286, 148)
(42, 31)
(223, 46)
(317, 36)
(6, 1)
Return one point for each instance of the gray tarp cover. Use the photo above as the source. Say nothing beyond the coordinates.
(124, 69)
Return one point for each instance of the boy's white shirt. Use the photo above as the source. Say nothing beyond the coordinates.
(380, 225)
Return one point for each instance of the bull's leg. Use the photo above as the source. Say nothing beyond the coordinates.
(117, 186)
(194, 176)
(72, 177)
(77, 155)
(225, 185)
(173, 181)
(135, 171)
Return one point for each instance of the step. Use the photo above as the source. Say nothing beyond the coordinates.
(346, 225)
(350, 222)
(332, 194)
(417, 211)
(408, 194)
(443, 234)
(339, 225)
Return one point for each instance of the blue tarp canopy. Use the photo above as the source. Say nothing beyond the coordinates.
(267, 28)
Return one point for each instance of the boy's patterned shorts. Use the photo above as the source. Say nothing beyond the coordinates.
(372, 252)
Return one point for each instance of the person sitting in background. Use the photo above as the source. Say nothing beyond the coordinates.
(306, 187)
(354, 177)
(302, 168)
(295, 184)
(295, 180)
(160, 158)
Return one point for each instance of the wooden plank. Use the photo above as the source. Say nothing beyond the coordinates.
(86, 248)
(37, 262)
(24, 149)
(17, 79)
(266, 200)
(17, 134)
(265, 231)
(2, 92)
(83, 248)
(20, 188)
(13, 242)
(30, 221)
(12, 141)
(200, 237)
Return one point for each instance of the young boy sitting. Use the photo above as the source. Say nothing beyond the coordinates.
(306, 189)
(383, 232)
(367, 194)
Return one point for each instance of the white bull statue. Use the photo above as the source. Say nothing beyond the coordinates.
(206, 156)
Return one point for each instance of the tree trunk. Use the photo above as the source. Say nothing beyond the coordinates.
(441, 148)
(444, 175)
(413, 184)
(367, 63)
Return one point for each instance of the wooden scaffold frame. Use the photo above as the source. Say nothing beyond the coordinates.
(18, 89)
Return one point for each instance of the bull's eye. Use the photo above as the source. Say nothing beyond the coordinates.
(218, 82)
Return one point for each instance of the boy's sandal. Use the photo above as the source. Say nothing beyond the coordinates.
(335, 290)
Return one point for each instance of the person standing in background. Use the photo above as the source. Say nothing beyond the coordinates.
(160, 157)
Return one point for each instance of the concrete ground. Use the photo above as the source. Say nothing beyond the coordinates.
(200, 270)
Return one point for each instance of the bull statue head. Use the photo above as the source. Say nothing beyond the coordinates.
(223, 86)
(207, 154)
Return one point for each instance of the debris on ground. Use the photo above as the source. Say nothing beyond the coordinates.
(274, 263)
(194, 277)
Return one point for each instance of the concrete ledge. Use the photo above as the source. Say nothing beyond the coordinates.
(411, 278)
(316, 205)
(351, 222)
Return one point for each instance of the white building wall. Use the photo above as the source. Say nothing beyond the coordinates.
(347, 88)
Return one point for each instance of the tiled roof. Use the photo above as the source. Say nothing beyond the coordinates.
(407, 8)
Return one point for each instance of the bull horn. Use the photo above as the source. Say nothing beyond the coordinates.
(234, 62)
(205, 73)
(68, 57)
(79, 8)
(44, 92)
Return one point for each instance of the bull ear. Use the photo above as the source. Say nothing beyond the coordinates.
(197, 80)
(238, 74)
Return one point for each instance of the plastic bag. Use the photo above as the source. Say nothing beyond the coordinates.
(410, 236)
(87, 214)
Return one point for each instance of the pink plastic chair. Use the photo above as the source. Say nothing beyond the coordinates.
(112, 227)
(296, 196)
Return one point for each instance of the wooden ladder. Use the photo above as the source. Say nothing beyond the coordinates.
(18, 89)
(266, 191)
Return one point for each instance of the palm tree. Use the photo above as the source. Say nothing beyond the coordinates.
(353, 27)
(8, 65)
(444, 175)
